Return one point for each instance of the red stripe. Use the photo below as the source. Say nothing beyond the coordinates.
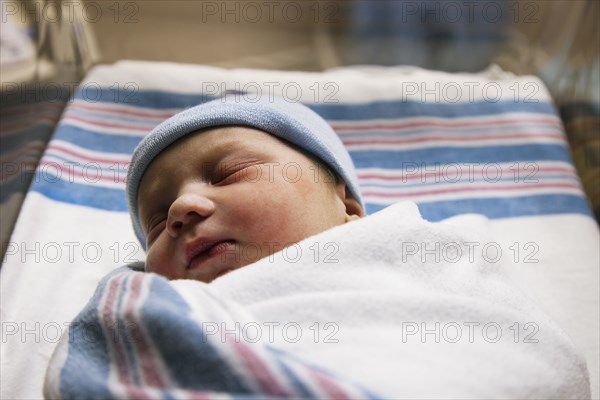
(252, 363)
(107, 124)
(122, 110)
(199, 395)
(79, 155)
(329, 386)
(136, 392)
(418, 174)
(107, 312)
(150, 368)
(73, 172)
(471, 189)
(387, 141)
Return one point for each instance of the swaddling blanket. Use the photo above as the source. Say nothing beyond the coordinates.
(389, 306)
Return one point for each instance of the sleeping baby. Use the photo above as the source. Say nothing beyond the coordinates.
(401, 308)
(224, 184)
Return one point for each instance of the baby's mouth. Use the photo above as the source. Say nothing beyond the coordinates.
(200, 251)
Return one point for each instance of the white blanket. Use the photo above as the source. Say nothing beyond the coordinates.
(401, 307)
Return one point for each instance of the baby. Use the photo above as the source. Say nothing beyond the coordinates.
(223, 184)
(226, 183)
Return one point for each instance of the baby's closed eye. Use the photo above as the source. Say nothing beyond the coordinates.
(231, 173)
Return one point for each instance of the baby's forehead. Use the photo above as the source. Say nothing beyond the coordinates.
(208, 148)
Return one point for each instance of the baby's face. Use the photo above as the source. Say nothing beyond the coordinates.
(217, 201)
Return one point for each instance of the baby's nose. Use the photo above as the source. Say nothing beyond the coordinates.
(188, 209)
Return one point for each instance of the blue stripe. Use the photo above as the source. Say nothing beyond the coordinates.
(409, 109)
(494, 208)
(283, 355)
(129, 95)
(182, 344)
(74, 193)
(431, 158)
(85, 371)
(92, 169)
(98, 141)
(126, 340)
(300, 388)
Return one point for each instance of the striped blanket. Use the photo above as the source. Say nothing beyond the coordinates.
(488, 143)
(501, 152)
(139, 339)
(374, 319)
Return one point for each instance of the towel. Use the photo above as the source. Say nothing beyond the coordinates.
(389, 306)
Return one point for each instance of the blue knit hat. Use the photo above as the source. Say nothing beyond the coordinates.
(292, 122)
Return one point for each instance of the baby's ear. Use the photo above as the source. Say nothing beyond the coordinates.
(353, 208)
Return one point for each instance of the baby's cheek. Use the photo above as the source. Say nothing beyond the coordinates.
(267, 212)
(161, 265)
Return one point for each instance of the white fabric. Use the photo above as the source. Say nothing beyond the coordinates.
(403, 307)
(49, 272)
(353, 84)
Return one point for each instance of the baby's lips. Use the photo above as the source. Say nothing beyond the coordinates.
(201, 249)
(197, 246)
